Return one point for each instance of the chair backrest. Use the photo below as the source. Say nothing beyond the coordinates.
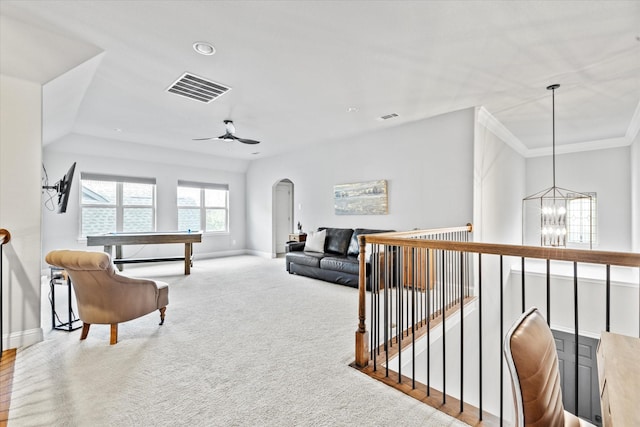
(103, 295)
(79, 260)
(531, 355)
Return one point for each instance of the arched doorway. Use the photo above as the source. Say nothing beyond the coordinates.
(282, 215)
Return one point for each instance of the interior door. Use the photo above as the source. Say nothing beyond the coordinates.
(589, 391)
(284, 214)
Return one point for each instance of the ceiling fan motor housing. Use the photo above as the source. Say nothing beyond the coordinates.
(228, 124)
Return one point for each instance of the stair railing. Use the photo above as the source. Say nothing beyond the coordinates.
(418, 280)
(5, 237)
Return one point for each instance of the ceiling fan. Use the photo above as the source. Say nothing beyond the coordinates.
(229, 135)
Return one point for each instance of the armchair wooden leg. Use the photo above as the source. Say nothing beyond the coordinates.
(162, 310)
(114, 333)
(85, 330)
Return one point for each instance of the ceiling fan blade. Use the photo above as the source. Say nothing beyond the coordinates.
(229, 135)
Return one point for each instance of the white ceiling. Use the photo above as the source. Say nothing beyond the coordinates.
(296, 68)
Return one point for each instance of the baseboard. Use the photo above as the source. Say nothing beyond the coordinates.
(261, 254)
(21, 339)
(220, 254)
(199, 256)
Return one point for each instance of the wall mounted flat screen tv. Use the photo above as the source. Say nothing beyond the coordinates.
(63, 188)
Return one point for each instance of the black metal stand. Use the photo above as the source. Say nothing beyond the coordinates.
(59, 277)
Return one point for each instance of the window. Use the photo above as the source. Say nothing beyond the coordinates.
(116, 203)
(578, 219)
(203, 206)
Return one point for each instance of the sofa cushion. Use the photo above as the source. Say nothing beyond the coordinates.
(345, 264)
(315, 241)
(337, 241)
(294, 246)
(354, 246)
(312, 259)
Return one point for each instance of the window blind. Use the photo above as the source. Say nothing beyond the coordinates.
(210, 186)
(117, 178)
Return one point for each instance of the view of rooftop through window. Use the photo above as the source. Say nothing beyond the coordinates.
(203, 207)
(125, 204)
(113, 204)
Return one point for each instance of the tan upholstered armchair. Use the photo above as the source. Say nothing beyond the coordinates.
(531, 355)
(106, 297)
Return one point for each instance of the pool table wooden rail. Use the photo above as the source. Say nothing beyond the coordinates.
(120, 239)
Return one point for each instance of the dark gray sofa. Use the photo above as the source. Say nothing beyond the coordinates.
(339, 261)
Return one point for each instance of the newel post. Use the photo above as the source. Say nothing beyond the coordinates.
(362, 336)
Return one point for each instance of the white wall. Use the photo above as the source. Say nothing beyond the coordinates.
(100, 156)
(591, 296)
(634, 159)
(428, 166)
(20, 155)
(606, 172)
(499, 189)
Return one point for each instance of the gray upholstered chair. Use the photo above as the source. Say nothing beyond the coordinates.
(106, 297)
(531, 355)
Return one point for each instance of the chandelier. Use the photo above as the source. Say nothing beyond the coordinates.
(553, 203)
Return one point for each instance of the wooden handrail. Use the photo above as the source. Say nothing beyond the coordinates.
(429, 232)
(625, 259)
(5, 236)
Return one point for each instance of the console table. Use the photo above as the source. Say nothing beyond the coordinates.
(110, 240)
(619, 375)
(297, 237)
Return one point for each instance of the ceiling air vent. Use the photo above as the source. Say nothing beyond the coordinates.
(388, 116)
(197, 88)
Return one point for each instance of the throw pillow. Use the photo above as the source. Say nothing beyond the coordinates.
(315, 241)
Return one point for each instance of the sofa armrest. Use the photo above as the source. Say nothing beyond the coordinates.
(294, 246)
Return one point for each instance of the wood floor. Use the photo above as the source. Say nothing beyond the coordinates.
(6, 383)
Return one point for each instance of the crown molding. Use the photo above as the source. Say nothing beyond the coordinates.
(600, 144)
(634, 125)
(488, 121)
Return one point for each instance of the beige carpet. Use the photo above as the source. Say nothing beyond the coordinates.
(244, 344)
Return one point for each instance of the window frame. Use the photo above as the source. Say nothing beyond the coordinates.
(594, 219)
(119, 205)
(202, 207)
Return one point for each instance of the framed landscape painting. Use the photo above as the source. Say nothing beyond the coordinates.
(361, 198)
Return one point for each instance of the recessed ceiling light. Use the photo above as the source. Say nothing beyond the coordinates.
(257, 152)
(352, 109)
(204, 48)
(117, 130)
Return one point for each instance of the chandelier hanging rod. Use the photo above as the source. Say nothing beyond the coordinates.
(553, 88)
